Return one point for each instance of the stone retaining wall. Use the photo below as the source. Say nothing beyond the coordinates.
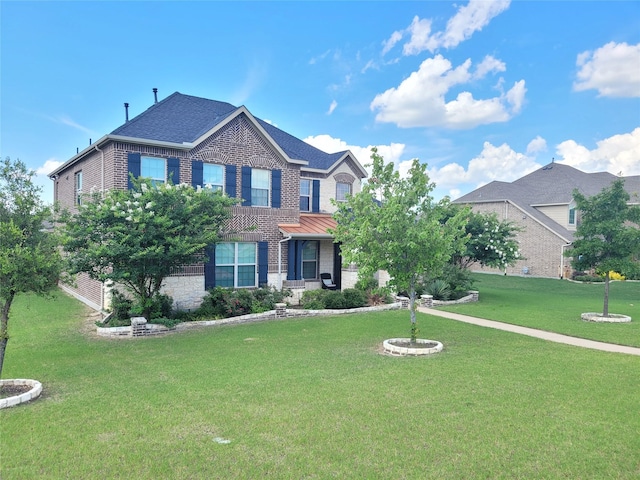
(139, 326)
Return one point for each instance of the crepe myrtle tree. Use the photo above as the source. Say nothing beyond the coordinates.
(492, 243)
(394, 224)
(608, 235)
(29, 255)
(137, 237)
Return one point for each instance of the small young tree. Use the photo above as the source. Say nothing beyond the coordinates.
(402, 232)
(29, 257)
(607, 237)
(137, 237)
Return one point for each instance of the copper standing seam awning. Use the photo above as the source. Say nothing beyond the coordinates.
(311, 226)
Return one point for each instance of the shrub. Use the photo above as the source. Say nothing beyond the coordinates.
(121, 308)
(355, 298)
(228, 302)
(313, 299)
(439, 289)
(159, 306)
(379, 295)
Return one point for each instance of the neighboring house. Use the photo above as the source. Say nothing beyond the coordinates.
(541, 203)
(285, 184)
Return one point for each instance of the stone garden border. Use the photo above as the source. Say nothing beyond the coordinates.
(34, 392)
(599, 318)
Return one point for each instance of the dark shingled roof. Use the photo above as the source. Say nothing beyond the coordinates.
(552, 184)
(183, 118)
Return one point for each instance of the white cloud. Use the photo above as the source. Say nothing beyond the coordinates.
(387, 45)
(420, 31)
(391, 153)
(419, 101)
(332, 107)
(494, 163)
(536, 145)
(49, 166)
(616, 154)
(613, 70)
(469, 19)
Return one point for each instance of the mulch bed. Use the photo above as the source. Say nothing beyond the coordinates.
(13, 390)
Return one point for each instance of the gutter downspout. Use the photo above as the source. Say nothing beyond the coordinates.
(101, 170)
(102, 292)
(562, 257)
(280, 260)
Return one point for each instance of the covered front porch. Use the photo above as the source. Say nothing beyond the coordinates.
(310, 251)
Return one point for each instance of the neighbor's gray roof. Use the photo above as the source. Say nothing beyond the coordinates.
(183, 119)
(552, 184)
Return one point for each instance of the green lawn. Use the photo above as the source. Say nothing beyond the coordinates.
(313, 398)
(555, 306)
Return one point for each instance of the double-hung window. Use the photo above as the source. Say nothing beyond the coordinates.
(305, 195)
(572, 215)
(77, 186)
(260, 187)
(310, 260)
(154, 169)
(342, 190)
(236, 264)
(213, 176)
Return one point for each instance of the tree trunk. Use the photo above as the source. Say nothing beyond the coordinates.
(4, 330)
(412, 309)
(605, 310)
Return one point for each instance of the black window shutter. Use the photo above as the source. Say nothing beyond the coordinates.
(196, 173)
(230, 180)
(276, 187)
(173, 170)
(263, 263)
(210, 268)
(291, 260)
(246, 186)
(133, 167)
(315, 196)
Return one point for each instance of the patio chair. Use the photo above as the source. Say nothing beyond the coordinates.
(327, 283)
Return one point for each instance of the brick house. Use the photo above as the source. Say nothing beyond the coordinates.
(541, 203)
(285, 184)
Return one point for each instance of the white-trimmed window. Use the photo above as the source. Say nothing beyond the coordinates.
(77, 187)
(154, 169)
(310, 260)
(213, 176)
(305, 195)
(236, 264)
(260, 187)
(572, 215)
(342, 190)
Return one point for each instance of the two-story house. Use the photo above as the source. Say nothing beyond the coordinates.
(285, 186)
(541, 204)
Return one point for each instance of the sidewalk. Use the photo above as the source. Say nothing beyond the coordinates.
(532, 332)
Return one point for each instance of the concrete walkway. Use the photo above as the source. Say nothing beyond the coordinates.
(532, 332)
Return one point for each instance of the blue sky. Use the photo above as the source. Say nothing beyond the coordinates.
(478, 90)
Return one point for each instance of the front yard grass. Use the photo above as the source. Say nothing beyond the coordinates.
(313, 398)
(556, 305)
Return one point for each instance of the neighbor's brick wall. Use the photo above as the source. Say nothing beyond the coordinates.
(540, 247)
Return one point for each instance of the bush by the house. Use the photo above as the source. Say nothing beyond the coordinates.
(439, 289)
(333, 299)
(123, 308)
(228, 302)
(376, 295)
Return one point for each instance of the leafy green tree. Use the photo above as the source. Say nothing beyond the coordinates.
(137, 237)
(607, 237)
(29, 256)
(404, 232)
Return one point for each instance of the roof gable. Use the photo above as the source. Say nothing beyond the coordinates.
(186, 119)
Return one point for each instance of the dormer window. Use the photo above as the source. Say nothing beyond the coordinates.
(342, 190)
